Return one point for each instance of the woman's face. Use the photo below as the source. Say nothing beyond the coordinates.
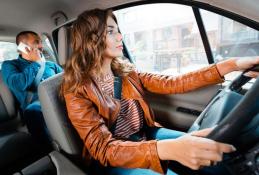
(113, 40)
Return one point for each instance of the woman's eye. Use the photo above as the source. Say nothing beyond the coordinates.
(110, 32)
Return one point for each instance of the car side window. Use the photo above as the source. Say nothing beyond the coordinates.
(8, 51)
(48, 51)
(166, 42)
(229, 38)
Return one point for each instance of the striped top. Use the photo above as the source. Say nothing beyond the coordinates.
(130, 118)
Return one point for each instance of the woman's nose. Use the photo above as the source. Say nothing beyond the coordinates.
(119, 36)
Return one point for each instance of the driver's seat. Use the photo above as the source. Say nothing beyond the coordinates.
(64, 137)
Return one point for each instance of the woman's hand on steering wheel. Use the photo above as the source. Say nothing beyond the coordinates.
(193, 150)
(247, 63)
(238, 64)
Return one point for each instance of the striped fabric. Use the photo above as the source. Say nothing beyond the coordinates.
(130, 119)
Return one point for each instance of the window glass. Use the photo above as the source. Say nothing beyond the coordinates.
(162, 38)
(229, 38)
(8, 51)
(47, 49)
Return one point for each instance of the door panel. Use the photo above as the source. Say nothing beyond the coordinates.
(178, 111)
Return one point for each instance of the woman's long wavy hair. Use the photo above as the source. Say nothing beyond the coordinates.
(88, 35)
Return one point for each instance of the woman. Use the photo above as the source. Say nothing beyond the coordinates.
(121, 133)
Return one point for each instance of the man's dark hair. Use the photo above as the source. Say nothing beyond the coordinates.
(23, 35)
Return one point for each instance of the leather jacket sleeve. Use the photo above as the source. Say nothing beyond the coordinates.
(180, 84)
(100, 143)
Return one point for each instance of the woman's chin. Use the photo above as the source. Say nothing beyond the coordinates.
(119, 55)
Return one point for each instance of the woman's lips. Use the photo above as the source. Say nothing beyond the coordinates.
(120, 47)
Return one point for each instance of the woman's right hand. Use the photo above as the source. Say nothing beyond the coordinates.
(193, 150)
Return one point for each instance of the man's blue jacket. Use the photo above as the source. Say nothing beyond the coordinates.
(19, 75)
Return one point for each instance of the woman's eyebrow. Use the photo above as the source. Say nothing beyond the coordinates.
(111, 27)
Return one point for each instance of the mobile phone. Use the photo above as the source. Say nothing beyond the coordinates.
(21, 47)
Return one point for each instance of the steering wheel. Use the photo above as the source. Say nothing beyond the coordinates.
(244, 109)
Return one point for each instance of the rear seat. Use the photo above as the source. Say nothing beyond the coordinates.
(16, 147)
(9, 114)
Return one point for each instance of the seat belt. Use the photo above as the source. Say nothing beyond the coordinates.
(36, 82)
(116, 93)
(117, 87)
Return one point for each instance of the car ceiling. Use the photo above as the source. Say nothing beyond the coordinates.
(17, 15)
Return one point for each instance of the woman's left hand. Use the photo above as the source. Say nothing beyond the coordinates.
(238, 64)
(246, 63)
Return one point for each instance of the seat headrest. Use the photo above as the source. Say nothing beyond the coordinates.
(55, 115)
(64, 48)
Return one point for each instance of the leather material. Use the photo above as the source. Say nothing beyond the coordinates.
(92, 113)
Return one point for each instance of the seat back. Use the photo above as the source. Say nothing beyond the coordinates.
(9, 113)
(16, 146)
(54, 110)
(63, 134)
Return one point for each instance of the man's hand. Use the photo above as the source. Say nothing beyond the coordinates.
(32, 55)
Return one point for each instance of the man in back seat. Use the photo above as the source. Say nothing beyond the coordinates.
(23, 75)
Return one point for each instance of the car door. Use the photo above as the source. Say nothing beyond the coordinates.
(173, 39)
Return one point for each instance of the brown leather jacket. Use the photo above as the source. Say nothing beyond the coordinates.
(92, 113)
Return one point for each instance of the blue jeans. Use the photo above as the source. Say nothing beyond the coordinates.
(152, 134)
